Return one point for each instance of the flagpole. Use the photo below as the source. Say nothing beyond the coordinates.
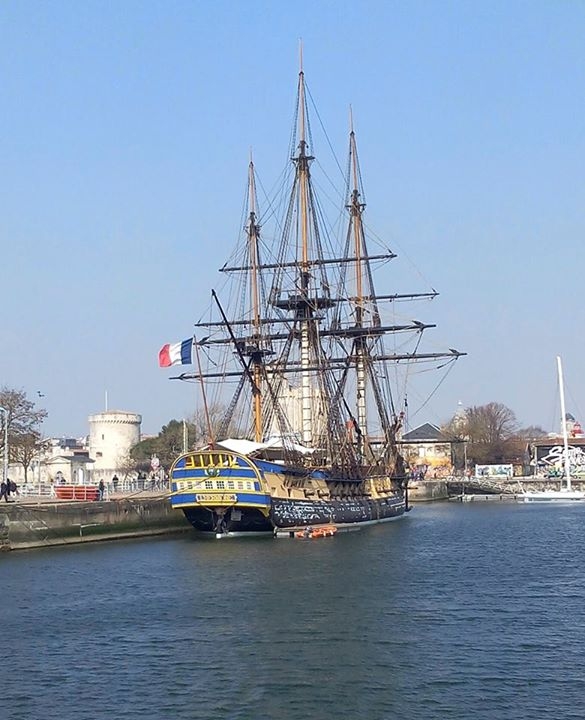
(206, 409)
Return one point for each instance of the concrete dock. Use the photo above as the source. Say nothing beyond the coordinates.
(40, 521)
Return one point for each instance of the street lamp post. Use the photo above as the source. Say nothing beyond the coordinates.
(5, 465)
(39, 461)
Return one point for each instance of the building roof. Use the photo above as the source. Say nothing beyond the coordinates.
(557, 440)
(425, 433)
(71, 459)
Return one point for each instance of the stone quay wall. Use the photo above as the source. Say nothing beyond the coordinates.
(30, 525)
(428, 491)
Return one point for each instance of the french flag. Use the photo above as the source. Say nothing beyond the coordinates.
(176, 354)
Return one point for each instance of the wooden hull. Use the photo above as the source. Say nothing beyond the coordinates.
(293, 514)
(225, 493)
(350, 511)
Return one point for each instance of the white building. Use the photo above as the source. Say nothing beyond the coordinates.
(111, 435)
(85, 460)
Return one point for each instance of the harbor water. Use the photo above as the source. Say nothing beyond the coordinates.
(456, 611)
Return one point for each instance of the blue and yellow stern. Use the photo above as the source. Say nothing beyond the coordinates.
(221, 491)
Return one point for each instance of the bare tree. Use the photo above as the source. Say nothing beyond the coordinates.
(532, 432)
(487, 431)
(204, 426)
(25, 450)
(23, 420)
(127, 465)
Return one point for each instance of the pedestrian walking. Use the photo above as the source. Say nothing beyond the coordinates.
(3, 491)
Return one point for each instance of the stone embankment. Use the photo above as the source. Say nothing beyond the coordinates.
(508, 486)
(32, 522)
(443, 489)
(43, 522)
(428, 490)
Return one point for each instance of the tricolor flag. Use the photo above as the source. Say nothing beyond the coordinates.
(176, 354)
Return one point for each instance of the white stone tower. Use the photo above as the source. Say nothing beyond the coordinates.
(111, 435)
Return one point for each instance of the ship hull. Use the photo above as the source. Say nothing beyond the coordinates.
(225, 493)
(350, 511)
(293, 514)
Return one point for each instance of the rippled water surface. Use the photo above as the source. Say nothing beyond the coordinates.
(456, 611)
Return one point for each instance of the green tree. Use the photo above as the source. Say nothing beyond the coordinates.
(168, 444)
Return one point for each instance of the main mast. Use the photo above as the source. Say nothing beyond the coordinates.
(302, 161)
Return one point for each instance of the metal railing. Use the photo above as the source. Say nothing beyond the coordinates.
(123, 488)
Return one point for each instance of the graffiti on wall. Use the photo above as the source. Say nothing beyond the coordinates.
(552, 458)
(494, 471)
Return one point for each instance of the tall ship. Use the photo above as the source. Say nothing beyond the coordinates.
(295, 363)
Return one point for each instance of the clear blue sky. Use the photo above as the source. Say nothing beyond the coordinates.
(125, 129)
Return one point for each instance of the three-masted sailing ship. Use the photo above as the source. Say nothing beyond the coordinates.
(309, 435)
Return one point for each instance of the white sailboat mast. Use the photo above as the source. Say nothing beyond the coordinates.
(564, 424)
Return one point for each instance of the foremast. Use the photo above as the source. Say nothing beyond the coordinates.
(301, 287)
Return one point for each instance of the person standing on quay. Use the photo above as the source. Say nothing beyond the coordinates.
(102, 489)
(3, 491)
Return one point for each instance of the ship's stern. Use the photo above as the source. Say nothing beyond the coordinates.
(221, 492)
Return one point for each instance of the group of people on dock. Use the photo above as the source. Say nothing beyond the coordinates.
(7, 488)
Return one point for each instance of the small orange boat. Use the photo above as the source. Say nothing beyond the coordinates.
(310, 533)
